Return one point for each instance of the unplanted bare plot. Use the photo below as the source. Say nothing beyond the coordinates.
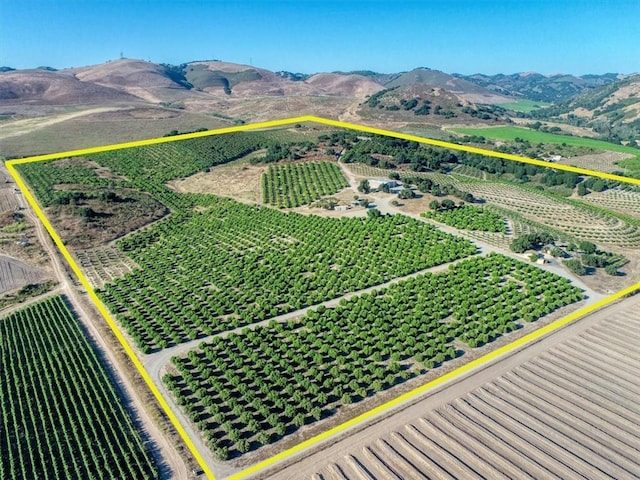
(15, 274)
(239, 180)
(601, 162)
(569, 412)
(104, 264)
(8, 199)
(583, 224)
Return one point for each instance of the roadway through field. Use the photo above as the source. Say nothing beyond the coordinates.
(87, 317)
(156, 363)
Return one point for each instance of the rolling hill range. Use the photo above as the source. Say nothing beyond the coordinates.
(612, 111)
(47, 87)
(537, 87)
(125, 79)
(43, 109)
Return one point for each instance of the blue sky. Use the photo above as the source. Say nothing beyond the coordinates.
(463, 36)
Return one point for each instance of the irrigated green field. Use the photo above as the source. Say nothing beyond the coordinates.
(523, 105)
(511, 133)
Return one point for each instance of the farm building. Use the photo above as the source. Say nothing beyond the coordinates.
(376, 183)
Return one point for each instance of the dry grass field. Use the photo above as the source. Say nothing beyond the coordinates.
(602, 162)
(239, 180)
(92, 127)
(565, 407)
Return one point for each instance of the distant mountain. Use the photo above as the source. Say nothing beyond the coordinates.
(244, 81)
(149, 81)
(238, 92)
(296, 77)
(128, 80)
(612, 110)
(455, 85)
(381, 78)
(537, 87)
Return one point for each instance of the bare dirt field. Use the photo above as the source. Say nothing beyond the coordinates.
(602, 162)
(239, 180)
(564, 407)
(91, 127)
(15, 274)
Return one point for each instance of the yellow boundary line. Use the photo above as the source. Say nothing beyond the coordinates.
(276, 123)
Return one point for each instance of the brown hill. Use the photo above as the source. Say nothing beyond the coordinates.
(125, 74)
(150, 81)
(350, 85)
(238, 81)
(44, 87)
(424, 103)
(458, 86)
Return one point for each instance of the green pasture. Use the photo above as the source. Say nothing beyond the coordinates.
(534, 136)
(523, 105)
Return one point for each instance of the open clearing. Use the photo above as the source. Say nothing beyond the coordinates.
(565, 407)
(28, 125)
(239, 180)
(523, 105)
(601, 162)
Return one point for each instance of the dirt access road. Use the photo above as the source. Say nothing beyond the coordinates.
(170, 463)
(156, 363)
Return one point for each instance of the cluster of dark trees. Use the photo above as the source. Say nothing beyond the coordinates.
(441, 207)
(374, 100)
(596, 184)
(283, 151)
(399, 151)
(75, 197)
(587, 253)
(530, 241)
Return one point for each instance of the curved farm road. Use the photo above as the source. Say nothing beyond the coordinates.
(156, 363)
(89, 318)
